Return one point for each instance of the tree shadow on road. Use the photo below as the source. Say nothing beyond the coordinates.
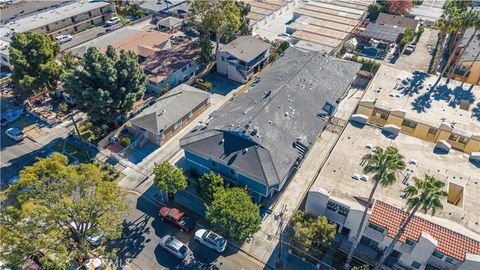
(133, 239)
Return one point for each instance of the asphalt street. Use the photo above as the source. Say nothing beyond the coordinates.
(87, 35)
(139, 245)
(15, 155)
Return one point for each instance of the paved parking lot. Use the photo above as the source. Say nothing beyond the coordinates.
(87, 35)
(420, 58)
(139, 245)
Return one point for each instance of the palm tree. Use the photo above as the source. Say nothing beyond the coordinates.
(426, 195)
(385, 164)
(460, 21)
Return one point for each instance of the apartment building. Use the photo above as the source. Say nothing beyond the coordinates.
(422, 105)
(447, 241)
(466, 63)
(260, 138)
(240, 59)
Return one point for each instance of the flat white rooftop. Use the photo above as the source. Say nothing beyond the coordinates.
(454, 169)
(50, 16)
(395, 89)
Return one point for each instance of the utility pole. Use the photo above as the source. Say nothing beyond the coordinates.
(279, 232)
(80, 137)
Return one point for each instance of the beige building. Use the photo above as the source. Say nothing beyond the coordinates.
(448, 114)
(447, 241)
(63, 19)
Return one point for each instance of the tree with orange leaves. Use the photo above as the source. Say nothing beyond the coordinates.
(399, 7)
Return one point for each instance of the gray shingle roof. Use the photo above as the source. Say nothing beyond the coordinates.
(381, 32)
(169, 108)
(281, 109)
(246, 48)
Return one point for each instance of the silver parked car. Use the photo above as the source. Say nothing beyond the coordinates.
(211, 240)
(174, 246)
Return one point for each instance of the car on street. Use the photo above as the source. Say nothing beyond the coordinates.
(15, 134)
(112, 21)
(177, 218)
(64, 38)
(211, 240)
(10, 117)
(174, 246)
(94, 236)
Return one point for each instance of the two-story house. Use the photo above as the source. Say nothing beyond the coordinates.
(240, 59)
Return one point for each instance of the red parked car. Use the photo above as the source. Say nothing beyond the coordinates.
(177, 218)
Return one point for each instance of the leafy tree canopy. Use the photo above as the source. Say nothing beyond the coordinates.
(32, 56)
(106, 85)
(210, 184)
(312, 231)
(217, 17)
(206, 55)
(169, 178)
(233, 213)
(53, 208)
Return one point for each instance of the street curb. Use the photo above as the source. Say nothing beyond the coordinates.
(134, 192)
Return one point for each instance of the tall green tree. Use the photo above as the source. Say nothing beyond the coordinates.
(244, 28)
(210, 184)
(169, 178)
(312, 232)
(106, 85)
(53, 208)
(206, 55)
(32, 56)
(215, 17)
(233, 213)
(425, 195)
(385, 164)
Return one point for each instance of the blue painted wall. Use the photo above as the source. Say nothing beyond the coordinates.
(202, 165)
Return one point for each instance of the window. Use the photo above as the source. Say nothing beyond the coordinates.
(452, 261)
(437, 254)
(376, 227)
(382, 114)
(462, 140)
(177, 124)
(416, 265)
(410, 242)
(233, 172)
(432, 131)
(453, 137)
(409, 123)
(214, 164)
(184, 68)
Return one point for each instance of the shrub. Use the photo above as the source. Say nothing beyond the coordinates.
(125, 141)
(63, 107)
(210, 184)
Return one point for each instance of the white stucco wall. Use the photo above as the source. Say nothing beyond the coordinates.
(317, 199)
(421, 252)
(472, 262)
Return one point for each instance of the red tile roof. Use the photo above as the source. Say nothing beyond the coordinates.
(450, 243)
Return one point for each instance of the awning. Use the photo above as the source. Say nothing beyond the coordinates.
(391, 128)
(475, 156)
(359, 118)
(443, 145)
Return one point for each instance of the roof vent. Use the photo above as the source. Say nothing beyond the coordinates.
(223, 140)
(245, 150)
(267, 93)
(270, 122)
(286, 113)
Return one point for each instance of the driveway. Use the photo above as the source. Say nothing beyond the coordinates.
(420, 58)
(139, 248)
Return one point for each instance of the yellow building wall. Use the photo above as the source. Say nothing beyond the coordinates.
(421, 131)
(395, 120)
(472, 146)
(474, 75)
(364, 110)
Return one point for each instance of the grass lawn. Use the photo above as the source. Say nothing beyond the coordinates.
(64, 146)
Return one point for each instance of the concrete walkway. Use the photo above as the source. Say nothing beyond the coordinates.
(263, 244)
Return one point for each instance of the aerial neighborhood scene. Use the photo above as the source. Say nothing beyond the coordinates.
(240, 134)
